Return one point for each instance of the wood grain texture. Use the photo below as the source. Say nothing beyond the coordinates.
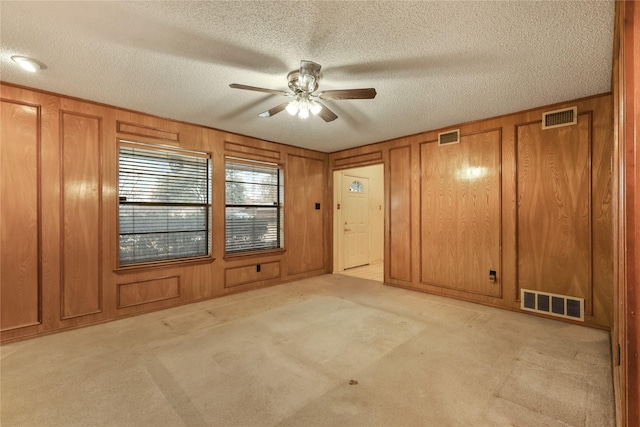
(19, 217)
(237, 276)
(148, 291)
(402, 203)
(147, 131)
(80, 280)
(304, 235)
(618, 340)
(599, 107)
(461, 213)
(358, 160)
(81, 243)
(601, 214)
(554, 209)
(254, 153)
(632, 147)
(399, 179)
(50, 207)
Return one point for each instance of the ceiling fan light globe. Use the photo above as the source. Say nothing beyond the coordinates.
(315, 108)
(292, 108)
(303, 114)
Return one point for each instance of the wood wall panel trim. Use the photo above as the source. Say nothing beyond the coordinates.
(467, 256)
(501, 273)
(516, 294)
(21, 285)
(602, 214)
(134, 129)
(237, 276)
(516, 291)
(142, 292)
(588, 294)
(254, 153)
(358, 160)
(400, 195)
(588, 304)
(81, 192)
(23, 103)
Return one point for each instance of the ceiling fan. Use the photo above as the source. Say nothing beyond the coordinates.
(302, 84)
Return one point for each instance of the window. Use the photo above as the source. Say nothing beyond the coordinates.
(164, 211)
(254, 199)
(356, 187)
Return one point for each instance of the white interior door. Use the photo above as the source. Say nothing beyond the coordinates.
(355, 218)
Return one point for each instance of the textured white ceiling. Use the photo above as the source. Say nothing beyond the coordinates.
(433, 64)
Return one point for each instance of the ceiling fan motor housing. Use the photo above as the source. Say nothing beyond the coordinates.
(306, 79)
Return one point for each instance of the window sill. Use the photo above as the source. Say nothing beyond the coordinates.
(254, 254)
(137, 268)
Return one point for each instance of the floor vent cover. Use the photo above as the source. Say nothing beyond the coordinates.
(450, 137)
(552, 304)
(557, 118)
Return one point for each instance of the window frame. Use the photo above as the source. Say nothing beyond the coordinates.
(279, 207)
(158, 263)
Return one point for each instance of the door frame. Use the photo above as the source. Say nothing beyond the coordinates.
(337, 237)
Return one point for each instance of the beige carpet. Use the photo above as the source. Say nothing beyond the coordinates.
(327, 351)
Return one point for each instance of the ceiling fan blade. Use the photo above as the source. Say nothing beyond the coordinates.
(335, 95)
(326, 114)
(259, 89)
(275, 110)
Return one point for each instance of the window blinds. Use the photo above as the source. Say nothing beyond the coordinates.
(164, 209)
(254, 198)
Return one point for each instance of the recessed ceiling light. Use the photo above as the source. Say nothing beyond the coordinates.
(28, 64)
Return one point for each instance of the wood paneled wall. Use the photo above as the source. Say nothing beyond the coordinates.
(59, 208)
(398, 223)
(532, 205)
(460, 213)
(20, 215)
(451, 213)
(81, 216)
(554, 221)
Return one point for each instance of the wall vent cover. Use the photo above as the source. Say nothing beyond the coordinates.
(552, 304)
(449, 137)
(558, 118)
